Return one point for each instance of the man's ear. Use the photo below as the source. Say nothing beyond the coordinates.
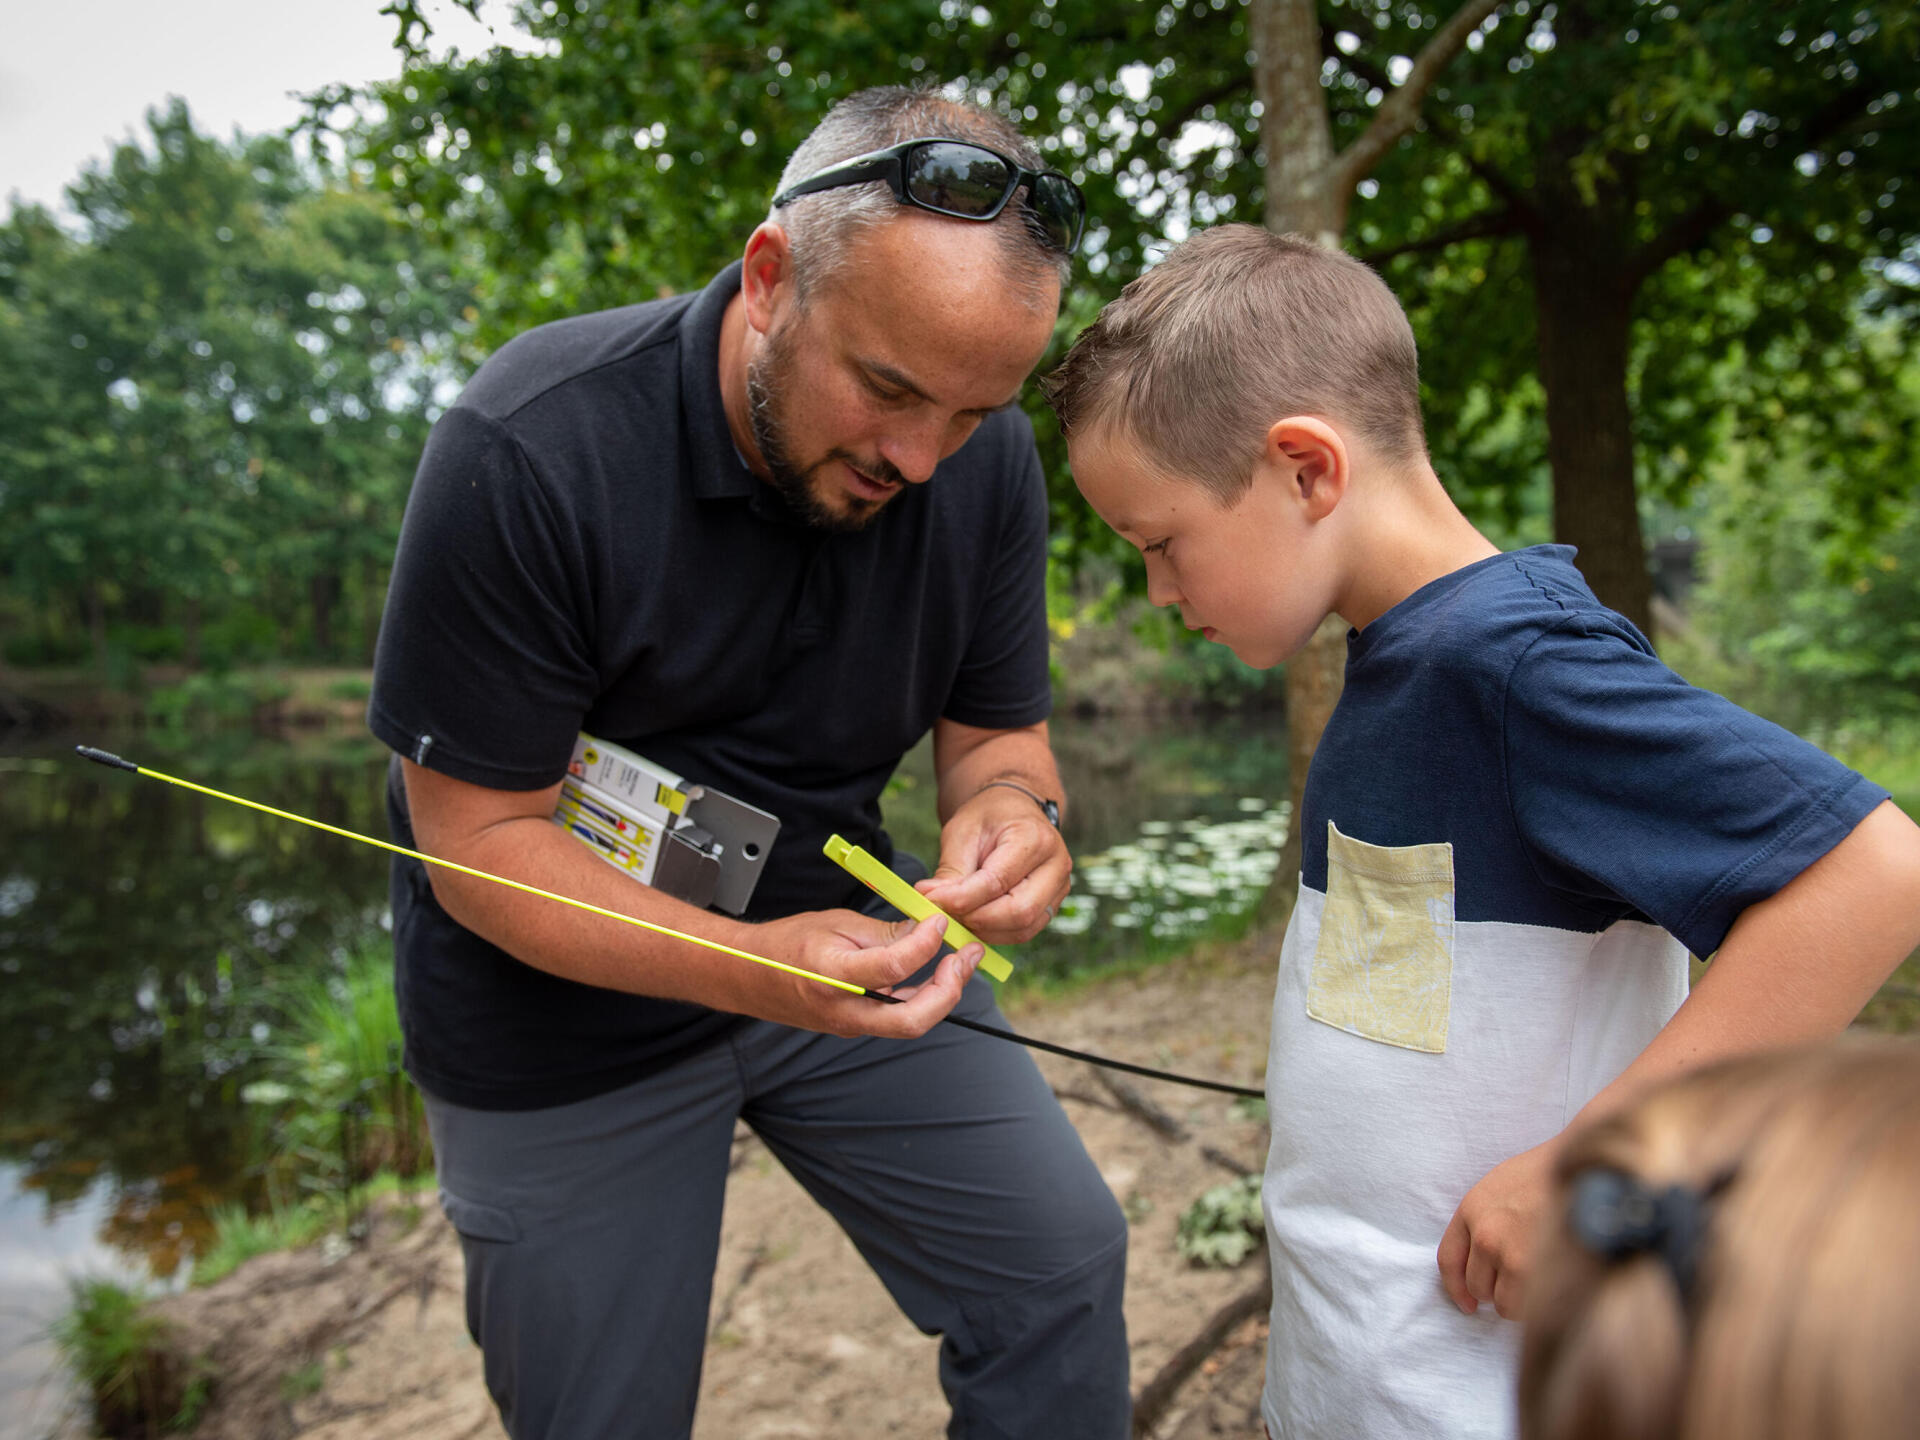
(1310, 455)
(766, 275)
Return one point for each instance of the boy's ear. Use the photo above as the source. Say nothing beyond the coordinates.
(1312, 459)
(766, 274)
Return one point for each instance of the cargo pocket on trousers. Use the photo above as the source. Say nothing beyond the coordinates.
(1383, 965)
(475, 1221)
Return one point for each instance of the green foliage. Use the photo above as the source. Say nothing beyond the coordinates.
(1798, 614)
(238, 1236)
(139, 1384)
(1739, 183)
(1224, 1226)
(214, 383)
(212, 698)
(344, 1110)
(303, 1382)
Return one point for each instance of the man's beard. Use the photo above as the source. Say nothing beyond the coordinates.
(767, 375)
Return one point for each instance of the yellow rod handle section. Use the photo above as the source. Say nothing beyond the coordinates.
(909, 901)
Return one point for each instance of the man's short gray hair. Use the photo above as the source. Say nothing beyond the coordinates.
(823, 225)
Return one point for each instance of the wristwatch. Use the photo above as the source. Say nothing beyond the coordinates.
(1049, 808)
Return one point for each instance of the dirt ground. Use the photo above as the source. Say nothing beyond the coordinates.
(369, 1343)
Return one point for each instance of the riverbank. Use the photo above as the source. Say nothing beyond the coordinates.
(369, 1342)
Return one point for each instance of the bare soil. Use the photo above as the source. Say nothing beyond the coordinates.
(369, 1342)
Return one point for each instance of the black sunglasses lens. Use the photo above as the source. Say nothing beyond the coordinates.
(1058, 204)
(959, 179)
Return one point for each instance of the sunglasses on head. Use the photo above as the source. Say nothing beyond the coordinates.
(960, 179)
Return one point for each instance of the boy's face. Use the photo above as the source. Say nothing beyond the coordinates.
(1242, 574)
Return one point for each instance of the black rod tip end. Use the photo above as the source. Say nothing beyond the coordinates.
(883, 996)
(104, 757)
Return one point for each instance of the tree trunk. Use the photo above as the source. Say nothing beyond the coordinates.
(1582, 300)
(1299, 200)
(323, 590)
(190, 645)
(96, 611)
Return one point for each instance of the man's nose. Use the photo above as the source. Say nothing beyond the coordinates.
(915, 451)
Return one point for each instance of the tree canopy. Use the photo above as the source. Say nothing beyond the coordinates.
(214, 382)
(1620, 227)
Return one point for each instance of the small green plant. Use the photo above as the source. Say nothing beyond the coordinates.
(238, 1237)
(303, 1382)
(350, 1109)
(139, 1383)
(1223, 1226)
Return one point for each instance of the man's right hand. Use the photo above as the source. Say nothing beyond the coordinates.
(873, 954)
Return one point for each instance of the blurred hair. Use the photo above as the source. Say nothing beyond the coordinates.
(822, 226)
(1804, 1318)
(1235, 329)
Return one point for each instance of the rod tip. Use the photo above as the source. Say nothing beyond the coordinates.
(104, 757)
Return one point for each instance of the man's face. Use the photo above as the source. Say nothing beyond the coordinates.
(891, 365)
(1242, 574)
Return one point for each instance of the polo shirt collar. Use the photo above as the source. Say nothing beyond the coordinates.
(716, 469)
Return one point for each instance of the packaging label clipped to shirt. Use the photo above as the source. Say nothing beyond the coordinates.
(689, 840)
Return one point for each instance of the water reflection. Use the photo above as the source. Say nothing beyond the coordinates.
(140, 928)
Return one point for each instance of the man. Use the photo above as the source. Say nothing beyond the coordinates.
(768, 536)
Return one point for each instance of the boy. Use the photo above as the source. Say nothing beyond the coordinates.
(1517, 825)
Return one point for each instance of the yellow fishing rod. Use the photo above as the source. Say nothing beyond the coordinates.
(866, 873)
(108, 758)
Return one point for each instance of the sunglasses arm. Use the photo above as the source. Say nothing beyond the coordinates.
(852, 172)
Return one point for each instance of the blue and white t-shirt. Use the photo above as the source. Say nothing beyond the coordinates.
(1514, 812)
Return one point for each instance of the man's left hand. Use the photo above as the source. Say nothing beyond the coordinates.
(1488, 1248)
(1004, 870)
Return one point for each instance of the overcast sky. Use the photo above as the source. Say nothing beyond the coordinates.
(78, 76)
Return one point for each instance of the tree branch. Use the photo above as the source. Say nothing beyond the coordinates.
(1692, 228)
(1173, 125)
(1400, 111)
(1490, 224)
(1158, 1392)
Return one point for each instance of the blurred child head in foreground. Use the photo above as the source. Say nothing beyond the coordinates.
(1737, 1255)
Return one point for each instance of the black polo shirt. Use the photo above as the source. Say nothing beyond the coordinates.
(584, 549)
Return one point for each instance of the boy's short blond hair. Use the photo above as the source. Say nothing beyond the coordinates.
(1802, 1315)
(1235, 329)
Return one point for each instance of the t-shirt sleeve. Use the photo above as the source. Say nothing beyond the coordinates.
(483, 669)
(1003, 681)
(1631, 786)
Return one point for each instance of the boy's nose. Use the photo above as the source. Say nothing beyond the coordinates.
(1160, 590)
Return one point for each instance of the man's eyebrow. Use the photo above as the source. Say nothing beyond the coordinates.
(880, 370)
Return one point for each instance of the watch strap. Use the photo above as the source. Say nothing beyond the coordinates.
(1049, 808)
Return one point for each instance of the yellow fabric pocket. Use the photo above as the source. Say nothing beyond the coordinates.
(1383, 966)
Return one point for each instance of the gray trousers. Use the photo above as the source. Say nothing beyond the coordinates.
(591, 1230)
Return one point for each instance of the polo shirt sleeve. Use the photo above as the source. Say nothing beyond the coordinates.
(483, 668)
(1631, 787)
(1003, 681)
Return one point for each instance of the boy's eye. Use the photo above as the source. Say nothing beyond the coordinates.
(1158, 547)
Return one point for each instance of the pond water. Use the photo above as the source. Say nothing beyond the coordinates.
(142, 927)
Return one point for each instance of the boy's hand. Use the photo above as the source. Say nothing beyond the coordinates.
(1488, 1248)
